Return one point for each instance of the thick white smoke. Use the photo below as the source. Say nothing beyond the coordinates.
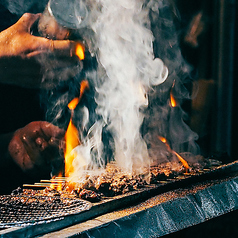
(128, 67)
(136, 48)
(125, 52)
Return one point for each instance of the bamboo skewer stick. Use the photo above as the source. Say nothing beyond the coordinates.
(36, 185)
(52, 181)
(47, 183)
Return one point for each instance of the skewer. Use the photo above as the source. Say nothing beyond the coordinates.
(52, 181)
(36, 185)
(186, 174)
(63, 178)
(46, 184)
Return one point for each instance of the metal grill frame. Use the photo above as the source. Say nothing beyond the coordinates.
(23, 210)
(112, 204)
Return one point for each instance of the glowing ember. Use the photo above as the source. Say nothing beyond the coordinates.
(182, 160)
(79, 51)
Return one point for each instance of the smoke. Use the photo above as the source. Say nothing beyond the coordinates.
(19, 7)
(134, 63)
(125, 54)
(162, 119)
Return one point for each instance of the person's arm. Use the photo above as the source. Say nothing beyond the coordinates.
(29, 152)
(24, 57)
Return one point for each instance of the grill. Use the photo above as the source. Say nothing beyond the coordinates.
(66, 212)
(23, 210)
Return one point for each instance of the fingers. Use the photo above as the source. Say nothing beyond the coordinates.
(19, 154)
(41, 143)
(69, 48)
(62, 48)
(42, 129)
(29, 160)
(45, 138)
(41, 137)
(40, 151)
(51, 131)
(27, 20)
(29, 46)
(36, 145)
(32, 150)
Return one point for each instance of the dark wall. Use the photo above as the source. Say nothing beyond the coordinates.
(235, 93)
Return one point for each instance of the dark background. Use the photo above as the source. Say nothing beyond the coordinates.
(215, 59)
(214, 63)
(219, 125)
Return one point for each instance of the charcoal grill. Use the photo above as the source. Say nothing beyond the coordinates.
(217, 194)
(23, 210)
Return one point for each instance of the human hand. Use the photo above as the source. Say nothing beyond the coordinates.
(24, 58)
(34, 147)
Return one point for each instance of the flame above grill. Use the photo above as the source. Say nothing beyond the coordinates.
(130, 82)
(72, 139)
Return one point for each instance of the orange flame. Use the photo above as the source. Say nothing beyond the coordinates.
(173, 102)
(71, 136)
(163, 139)
(72, 105)
(84, 85)
(57, 184)
(182, 160)
(79, 51)
(71, 140)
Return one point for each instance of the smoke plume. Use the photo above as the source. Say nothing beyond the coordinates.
(133, 65)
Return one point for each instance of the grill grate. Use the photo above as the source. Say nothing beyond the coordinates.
(20, 210)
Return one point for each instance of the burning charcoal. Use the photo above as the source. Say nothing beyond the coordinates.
(89, 195)
(88, 184)
(118, 184)
(137, 183)
(103, 186)
(55, 193)
(157, 175)
(17, 191)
